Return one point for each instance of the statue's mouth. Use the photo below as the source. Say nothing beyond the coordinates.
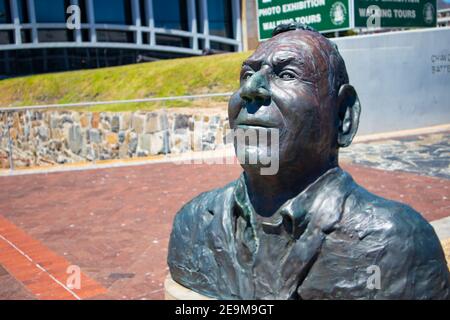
(256, 126)
(255, 122)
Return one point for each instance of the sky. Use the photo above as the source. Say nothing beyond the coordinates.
(443, 4)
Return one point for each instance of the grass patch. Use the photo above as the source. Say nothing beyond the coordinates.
(185, 76)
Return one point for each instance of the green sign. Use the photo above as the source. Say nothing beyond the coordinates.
(335, 15)
(395, 13)
(322, 15)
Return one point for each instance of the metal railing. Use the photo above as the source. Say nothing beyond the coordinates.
(98, 103)
(10, 110)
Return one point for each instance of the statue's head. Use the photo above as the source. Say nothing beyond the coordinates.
(297, 82)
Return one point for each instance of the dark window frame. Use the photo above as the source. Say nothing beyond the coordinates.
(182, 22)
(127, 18)
(6, 15)
(51, 19)
(228, 26)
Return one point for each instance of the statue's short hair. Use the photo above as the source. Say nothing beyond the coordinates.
(329, 50)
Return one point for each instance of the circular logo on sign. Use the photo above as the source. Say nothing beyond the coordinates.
(338, 13)
(428, 13)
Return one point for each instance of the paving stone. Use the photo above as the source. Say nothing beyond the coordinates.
(43, 133)
(95, 121)
(85, 120)
(142, 153)
(423, 154)
(115, 123)
(75, 139)
(138, 122)
(156, 121)
(94, 136)
(13, 289)
(159, 142)
(132, 139)
(180, 141)
(124, 150)
(121, 136)
(112, 138)
(54, 121)
(65, 118)
(181, 121)
(145, 141)
(125, 122)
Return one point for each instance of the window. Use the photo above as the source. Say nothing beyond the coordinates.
(142, 9)
(220, 18)
(23, 11)
(85, 35)
(173, 41)
(222, 46)
(83, 11)
(171, 14)
(4, 64)
(21, 63)
(145, 38)
(199, 15)
(51, 11)
(54, 35)
(57, 60)
(5, 12)
(112, 11)
(6, 37)
(114, 57)
(115, 36)
(26, 35)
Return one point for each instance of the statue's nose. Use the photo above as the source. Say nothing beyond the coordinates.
(256, 88)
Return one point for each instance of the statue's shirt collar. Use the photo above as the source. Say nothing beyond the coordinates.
(320, 203)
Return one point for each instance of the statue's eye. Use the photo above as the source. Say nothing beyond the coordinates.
(247, 75)
(287, 75)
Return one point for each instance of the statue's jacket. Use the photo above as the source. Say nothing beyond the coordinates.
(334, 240)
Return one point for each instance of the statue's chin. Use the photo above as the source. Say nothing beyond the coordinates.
(255, 156)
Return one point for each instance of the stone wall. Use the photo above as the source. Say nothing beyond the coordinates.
(57, 137)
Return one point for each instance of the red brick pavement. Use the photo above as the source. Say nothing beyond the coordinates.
(115, 223)
(43, 272)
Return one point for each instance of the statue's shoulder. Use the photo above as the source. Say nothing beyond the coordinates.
(210, 202)
(398, 240)
(370, 213)
(189, 257)
(383, 236)
(192, 219)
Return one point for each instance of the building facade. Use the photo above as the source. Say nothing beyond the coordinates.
(443, 13)
(39, 36)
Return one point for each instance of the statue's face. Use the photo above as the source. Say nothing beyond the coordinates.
(284, 85)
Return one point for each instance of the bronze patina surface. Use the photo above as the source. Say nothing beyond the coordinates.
(308, 231)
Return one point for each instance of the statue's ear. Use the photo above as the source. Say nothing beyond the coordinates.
(349, 111)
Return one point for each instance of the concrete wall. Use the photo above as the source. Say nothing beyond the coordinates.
(402, 78)
(251, 24)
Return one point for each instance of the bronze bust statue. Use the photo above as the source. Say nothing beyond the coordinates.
(308, 231)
